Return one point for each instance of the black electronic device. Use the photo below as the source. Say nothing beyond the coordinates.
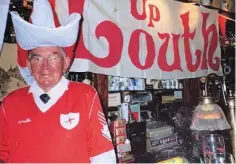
(137, 135)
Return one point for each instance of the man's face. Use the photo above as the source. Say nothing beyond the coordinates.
(47, 65)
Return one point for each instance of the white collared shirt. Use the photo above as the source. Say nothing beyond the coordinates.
(55, 93)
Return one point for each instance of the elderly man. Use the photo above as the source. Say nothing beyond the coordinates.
(53, 119)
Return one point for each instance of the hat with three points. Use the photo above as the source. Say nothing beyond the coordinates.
(42, 31)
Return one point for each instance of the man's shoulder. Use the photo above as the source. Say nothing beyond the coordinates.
(17, 94)
(82, 87)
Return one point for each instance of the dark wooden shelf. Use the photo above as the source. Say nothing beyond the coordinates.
(148, 90)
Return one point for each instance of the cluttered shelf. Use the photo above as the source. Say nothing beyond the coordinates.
(147, 90)
(141, 102)
(154, 125)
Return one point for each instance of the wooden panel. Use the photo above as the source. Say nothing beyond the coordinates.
(101, 84)
(191, 92)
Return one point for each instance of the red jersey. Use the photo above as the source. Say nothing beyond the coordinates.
(72, 130)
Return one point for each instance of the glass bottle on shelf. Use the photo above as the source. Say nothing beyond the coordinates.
(176, 84)
(160, 86)
(86, 79)
(172, 84)
(168, 84)
(164, 84)
(180, 85)
(156, 84)
(76, 77)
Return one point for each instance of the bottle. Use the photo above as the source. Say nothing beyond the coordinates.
(160, 86)
(86, 79)
(176, 84)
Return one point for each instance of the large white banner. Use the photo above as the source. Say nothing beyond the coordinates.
(4, 6)
(159, 39)
(156, 39)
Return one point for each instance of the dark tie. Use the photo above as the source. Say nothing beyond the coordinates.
(44, 98)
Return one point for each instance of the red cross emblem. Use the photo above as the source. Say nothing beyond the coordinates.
(70, 120)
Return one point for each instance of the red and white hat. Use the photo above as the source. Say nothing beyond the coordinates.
(43, 31)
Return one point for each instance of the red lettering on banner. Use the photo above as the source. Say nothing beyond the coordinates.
(162, 60)
(189, 35)
(113, 35)
(177, 61)
(154, 12)
(154, 15)
(213, 45)
(134, 11)
(115, 41)
(114, 38)
(134, 49)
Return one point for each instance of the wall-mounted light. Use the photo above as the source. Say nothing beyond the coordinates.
(208, 115)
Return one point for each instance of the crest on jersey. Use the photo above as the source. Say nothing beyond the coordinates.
(70, 120)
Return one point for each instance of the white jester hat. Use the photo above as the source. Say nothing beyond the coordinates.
(42, 31)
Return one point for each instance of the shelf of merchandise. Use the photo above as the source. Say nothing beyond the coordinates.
(147, 90)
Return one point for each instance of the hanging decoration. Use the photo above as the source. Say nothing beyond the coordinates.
(24, 7)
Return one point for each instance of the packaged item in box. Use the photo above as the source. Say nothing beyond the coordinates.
(128, 158)
(121, 148)
(119, 123)
(157, 144)
(159, 131)
(120, 132)
(120, 140)
(119, 155)
(122, 144)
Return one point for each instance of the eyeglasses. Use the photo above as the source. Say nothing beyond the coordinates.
(39, 60)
